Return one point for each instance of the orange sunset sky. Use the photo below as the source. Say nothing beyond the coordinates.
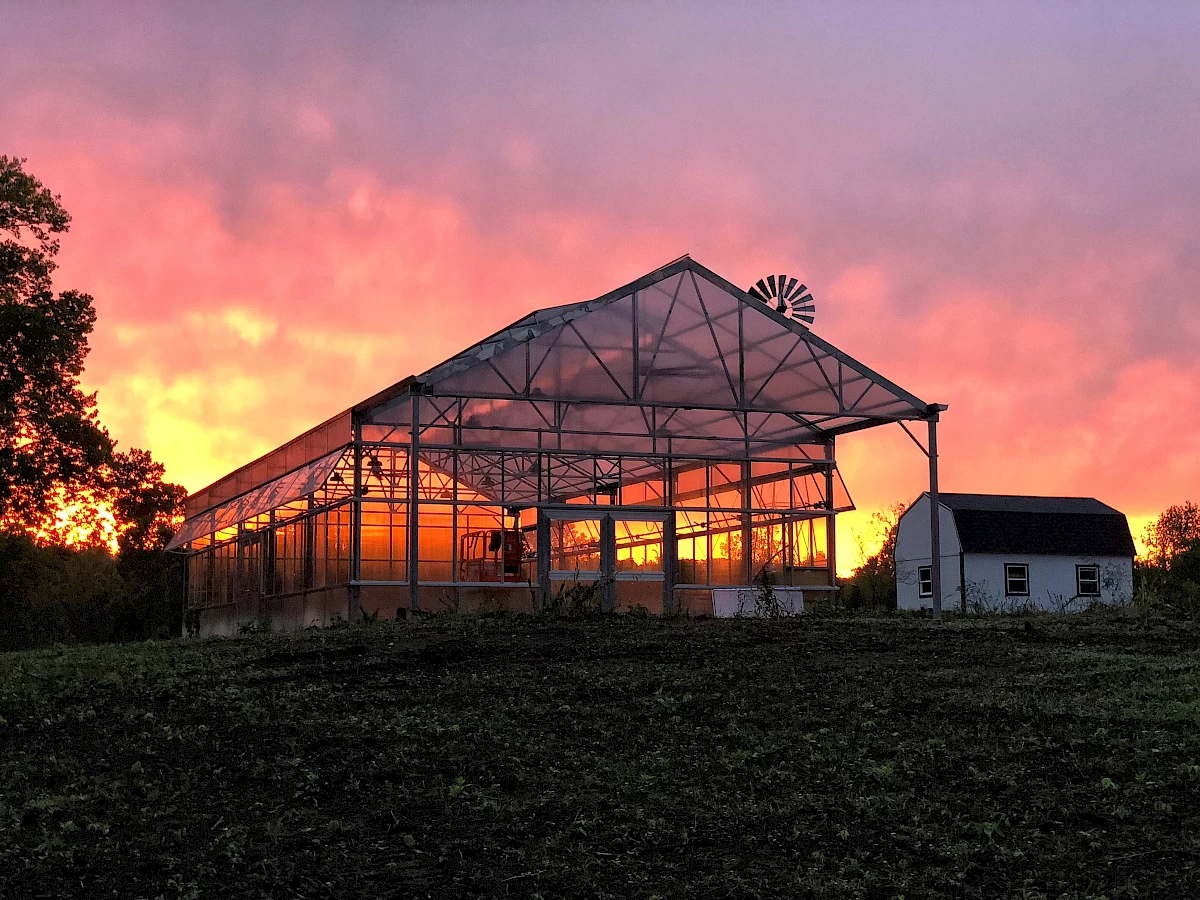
(282, 209)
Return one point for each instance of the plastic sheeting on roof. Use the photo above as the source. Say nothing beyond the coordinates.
(284, 489)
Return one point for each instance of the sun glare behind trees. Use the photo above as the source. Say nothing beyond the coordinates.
(63, 482)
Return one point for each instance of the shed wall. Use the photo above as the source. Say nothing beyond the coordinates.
(1052, 583)
(913, 550)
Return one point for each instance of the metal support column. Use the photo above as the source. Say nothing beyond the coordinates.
(414, 491)
(187, 587)
(747, 491)
(543, 559)
(670, 555)
(608, 565)
(935, 521)
(238, 605)
(354, 601)
(831, 519)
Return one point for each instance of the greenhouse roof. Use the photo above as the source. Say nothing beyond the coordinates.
(681, 339)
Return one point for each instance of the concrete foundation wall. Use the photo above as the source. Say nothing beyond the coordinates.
(392, 601)
(312, 608)
(321, 608)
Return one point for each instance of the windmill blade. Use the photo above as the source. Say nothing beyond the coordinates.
(787, 295)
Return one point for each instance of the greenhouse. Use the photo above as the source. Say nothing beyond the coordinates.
(668, 446)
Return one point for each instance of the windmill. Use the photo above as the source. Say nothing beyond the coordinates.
(787, 296)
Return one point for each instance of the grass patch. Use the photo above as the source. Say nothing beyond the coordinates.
(627, 757)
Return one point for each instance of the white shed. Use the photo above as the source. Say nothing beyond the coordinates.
(1016, 553)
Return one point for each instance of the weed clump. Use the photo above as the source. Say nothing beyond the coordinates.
(577, 600)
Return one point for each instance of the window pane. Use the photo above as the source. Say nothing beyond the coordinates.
(770, 485)
(435, 542)
(291, 561)
(766, 546)
(725, 485)
(332, 547)
(575, 546)
(493, 547)
(690, 487)
(691, 532)
(1017, 579)
(806, 547)
(1088, 581)
(726, 554)
(384, 542)
(639, 546)
(645, 487)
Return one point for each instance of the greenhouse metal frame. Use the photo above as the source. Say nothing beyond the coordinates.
(667, 446)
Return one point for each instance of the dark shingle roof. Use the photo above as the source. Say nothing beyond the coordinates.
(1069, 526)
(1023, 504)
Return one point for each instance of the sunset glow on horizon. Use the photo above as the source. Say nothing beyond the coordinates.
(280, 216)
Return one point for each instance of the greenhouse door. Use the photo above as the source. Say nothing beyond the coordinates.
(638, 561)
(611, 559)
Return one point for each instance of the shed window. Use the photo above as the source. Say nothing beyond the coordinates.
(1016, 579)
(925, 581)
(1087, 581)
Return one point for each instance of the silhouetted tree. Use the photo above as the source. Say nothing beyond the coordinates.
(1177, 529)
(873, 584)
(146, 508)
(50, 438)
(1169, 576)
(55, 456)
(60, 472)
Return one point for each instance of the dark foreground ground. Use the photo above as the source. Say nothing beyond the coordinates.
(627, 758)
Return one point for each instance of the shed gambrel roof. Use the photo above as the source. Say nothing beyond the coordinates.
(1053, 526)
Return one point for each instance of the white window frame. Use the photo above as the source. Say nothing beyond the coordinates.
(924, 581)
(1008, 579)
(1079, 591)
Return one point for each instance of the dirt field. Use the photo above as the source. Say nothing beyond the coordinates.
(622, 758)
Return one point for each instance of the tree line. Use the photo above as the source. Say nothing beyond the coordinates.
(83, 523)
(1169, 576)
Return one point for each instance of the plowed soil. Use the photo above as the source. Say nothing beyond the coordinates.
(514, 757)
